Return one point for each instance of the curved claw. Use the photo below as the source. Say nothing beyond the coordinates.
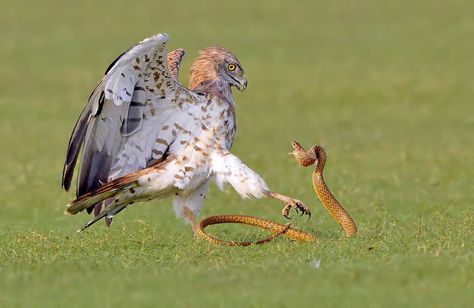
(301, 207)
(304, 211)
(286, 211)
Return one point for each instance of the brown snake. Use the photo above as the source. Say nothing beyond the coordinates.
(316, 153)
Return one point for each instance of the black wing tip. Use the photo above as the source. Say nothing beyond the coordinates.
(66, 186)
(111, 65)
(67, 177)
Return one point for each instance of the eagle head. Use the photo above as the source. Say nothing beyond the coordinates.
(217, 64)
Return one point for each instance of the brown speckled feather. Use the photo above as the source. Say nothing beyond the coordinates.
(174, 61)
(160, 138)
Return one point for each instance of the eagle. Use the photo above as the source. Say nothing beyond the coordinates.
(145, 136)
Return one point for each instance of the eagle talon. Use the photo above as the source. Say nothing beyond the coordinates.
(304, 210)
(286, 211)
(299, 207)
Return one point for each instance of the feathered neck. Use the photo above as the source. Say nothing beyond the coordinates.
(216, 87)
(203, 70)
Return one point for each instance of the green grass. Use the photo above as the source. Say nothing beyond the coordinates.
(387, 88)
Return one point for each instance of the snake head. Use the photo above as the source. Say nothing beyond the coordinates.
(296, 148)
(302, 157)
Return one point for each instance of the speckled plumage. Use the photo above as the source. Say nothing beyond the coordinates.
(146, 136)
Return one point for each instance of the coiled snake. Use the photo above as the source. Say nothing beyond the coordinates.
(304, 158)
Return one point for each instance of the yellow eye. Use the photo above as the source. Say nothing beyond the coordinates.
(231, 67)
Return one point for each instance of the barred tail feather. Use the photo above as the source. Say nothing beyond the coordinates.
(107, 212)
(81, 204)
(108, 190)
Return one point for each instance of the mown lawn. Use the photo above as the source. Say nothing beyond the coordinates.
(387, 88)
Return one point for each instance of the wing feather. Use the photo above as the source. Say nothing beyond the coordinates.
(175, 58)
(134, 119)
(128, 69)
(113, 129)
(76, 140)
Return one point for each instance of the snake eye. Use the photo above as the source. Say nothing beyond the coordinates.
(231, 67)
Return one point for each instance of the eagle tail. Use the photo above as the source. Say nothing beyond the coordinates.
(107, 212)
(108, 190)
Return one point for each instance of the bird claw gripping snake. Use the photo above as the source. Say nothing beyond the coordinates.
(315, 154)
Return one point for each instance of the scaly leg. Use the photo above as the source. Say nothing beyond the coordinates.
(190, 217)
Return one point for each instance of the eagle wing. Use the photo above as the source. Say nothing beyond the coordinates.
(175, 58)
(114, 130)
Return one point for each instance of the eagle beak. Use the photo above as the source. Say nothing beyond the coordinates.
(242, 84)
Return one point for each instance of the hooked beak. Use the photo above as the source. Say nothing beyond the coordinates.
(241, 83)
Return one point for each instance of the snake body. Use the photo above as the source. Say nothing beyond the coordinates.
(304, 158)
(277, 228)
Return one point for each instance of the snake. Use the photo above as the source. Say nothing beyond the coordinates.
(315, 154)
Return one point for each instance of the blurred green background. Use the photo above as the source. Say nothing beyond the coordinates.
(386, 87)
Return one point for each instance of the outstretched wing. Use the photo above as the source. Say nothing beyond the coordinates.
(122, 126)
(174, 61)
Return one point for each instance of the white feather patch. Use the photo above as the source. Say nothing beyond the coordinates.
(123, 76)
(228, 168)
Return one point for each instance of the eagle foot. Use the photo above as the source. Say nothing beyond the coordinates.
(299, 207)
